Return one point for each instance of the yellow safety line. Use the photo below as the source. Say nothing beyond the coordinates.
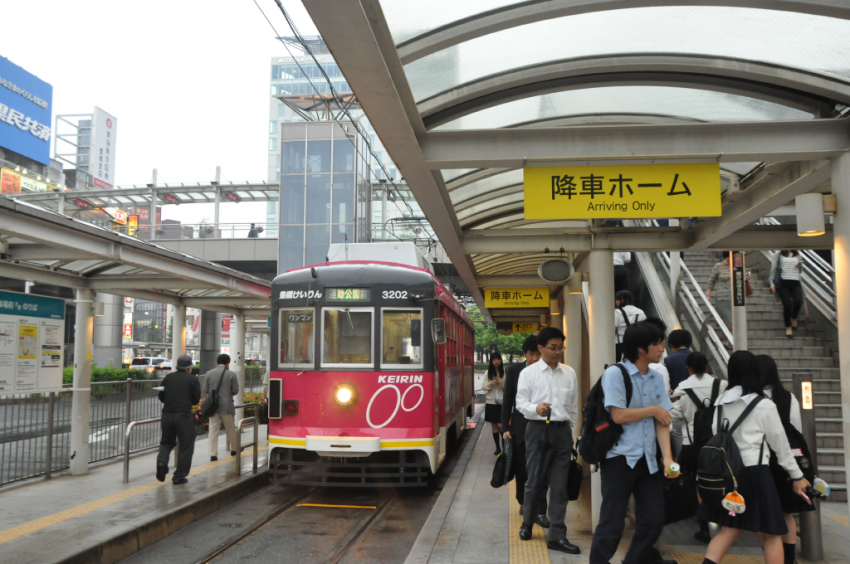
(82, 509)
(533, 551)
(343, 506)
(840, 519)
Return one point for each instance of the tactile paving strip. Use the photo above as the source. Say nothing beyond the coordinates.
(533, 551)
(82, 509)
(840, 519)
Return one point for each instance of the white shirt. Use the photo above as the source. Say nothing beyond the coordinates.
(761, 424)
(790, 270)
(621, 259)
(796, 418)
(538, 383)
(634, 314)
(685, 408)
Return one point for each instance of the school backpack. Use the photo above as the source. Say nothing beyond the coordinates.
(703, 417)
(720, 469)
(800, 450)
(599, 433)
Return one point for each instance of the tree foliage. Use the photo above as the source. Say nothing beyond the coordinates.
(486, 337)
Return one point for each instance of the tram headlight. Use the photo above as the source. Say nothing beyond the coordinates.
(345, 394)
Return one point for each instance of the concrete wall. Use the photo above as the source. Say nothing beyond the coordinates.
(219, 250)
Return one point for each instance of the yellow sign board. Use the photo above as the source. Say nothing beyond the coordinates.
(622, 191)
(516, 297)
(526, 327)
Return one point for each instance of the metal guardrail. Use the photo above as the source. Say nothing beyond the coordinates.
(239, 446)
(199, 230)
(127, 451)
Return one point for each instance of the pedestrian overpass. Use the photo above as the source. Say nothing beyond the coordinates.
(470, 98)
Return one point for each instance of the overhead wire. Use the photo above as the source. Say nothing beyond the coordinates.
(335, 97)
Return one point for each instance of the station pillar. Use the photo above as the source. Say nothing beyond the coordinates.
(210, 339)
(841, 232)
(237, 359)
(109, 332)
(81, 392)
(600, 305)
(178, 334)
(572, 329)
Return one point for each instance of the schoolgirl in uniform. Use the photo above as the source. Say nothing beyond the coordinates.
(761, 428)
(494, 386)
(684, 410)
(788, 407)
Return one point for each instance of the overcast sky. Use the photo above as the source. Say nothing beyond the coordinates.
(187, 80)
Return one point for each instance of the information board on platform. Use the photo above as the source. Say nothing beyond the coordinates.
(516, 297)
(622, 191)
(32, 337)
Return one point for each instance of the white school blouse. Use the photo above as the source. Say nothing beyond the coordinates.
(684, 409)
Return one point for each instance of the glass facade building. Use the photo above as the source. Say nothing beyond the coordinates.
(325, 195)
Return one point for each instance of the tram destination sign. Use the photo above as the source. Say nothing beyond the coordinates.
(516, 297)
(347, 294)
(622, 191)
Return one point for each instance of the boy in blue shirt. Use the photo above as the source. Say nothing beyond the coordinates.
(631, 467)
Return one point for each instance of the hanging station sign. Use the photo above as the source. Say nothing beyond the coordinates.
(622, 191)
(104, 133)
(516, 297)
(233, 197)
(32, 343)
(171, 198)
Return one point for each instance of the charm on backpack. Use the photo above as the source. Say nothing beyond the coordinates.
(734, 503)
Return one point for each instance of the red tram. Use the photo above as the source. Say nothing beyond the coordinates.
(373, 373)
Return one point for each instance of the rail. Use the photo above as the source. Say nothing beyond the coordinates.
(169, 231)
(127, 451)
(255, 444)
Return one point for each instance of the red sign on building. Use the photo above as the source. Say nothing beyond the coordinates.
(233, 197)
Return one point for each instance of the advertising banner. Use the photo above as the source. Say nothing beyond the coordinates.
(622, 191)
(32, 337)
(517, 297)
(132, 225)
(104, 132)
(26, 112)
(739, 291)
(10, 182)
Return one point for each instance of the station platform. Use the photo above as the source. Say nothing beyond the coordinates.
(473, 523)
(98, 518)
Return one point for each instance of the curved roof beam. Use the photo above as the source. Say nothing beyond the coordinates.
(797, 89)
(530, 12)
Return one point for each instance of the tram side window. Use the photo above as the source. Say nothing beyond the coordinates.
(402, 338)
(347, 336)
(296, 337)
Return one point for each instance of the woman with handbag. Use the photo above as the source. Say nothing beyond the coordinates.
(493, 385)
(785, 270)
(694, 392)
(789, 414)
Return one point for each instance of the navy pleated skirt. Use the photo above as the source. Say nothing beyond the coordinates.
(492, 413)
(688, 459)
(764, 512)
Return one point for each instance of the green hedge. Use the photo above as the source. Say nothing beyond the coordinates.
(112, 374)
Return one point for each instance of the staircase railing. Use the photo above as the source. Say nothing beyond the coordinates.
(818, 278)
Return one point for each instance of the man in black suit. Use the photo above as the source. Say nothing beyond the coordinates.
(513, 423)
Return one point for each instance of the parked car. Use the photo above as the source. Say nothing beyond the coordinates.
(151, 364)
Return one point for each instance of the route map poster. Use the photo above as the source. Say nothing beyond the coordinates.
(32, 334)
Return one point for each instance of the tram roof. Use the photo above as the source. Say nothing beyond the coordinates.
(42, 246)
(465, 94)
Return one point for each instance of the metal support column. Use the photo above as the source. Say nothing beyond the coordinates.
(739, 304)
(237, 359)
(811, 536)
(61, 204)
(49, 462)
(80, 401)
(153, 225)
(841, 232)
(572, 329)
(384, 218)
(210, 340)
(178, 334)
(216, 216)
(601, 332)
(675, 269)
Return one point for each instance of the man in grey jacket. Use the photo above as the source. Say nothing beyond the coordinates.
(225, 383)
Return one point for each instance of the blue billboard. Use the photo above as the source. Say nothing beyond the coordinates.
(26, 108)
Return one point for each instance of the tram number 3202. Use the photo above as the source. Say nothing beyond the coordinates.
(394, 295)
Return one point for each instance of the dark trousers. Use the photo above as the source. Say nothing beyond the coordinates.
(519, 471)
(619, 482)
(177, 427)
(791, 294)
(561, 441)
(618, 351)
(621, 278)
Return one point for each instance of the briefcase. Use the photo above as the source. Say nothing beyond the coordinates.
(680, 498)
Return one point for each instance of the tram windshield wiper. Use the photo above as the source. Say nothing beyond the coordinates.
(350, 323)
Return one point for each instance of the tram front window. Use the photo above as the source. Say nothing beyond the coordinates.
(402, 338)
(347, 336)
(296, 338)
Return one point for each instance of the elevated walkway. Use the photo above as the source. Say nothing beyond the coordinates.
(98, 518)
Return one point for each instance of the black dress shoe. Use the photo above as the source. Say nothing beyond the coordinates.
(542, 520)
(161, 471)
(524, 533)
(178, 481)
(232, 453)
(213, 458)
(703, 536)
(564, 546)
(520, 509)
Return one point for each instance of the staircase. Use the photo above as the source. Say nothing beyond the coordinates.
(806, 352)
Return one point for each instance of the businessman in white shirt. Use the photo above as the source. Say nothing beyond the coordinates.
(549, 384)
